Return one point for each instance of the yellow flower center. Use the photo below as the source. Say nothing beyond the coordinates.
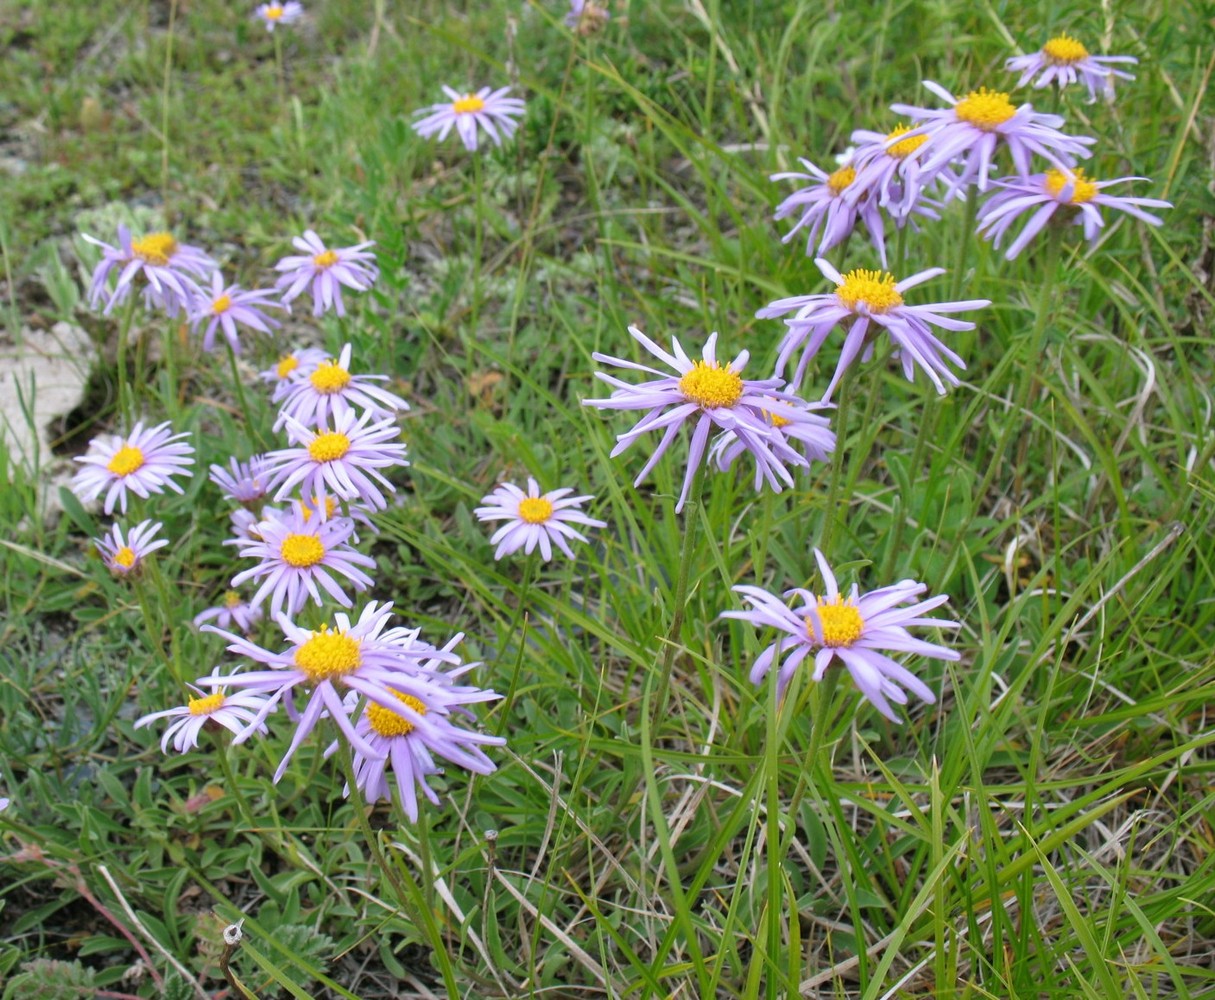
(386, 722)
(302, 551)
(1063, 50)
(126, 460)
(841, 621)
(221, 305)
(286, 365)
(875, 289)
(535, 510)
(125, 557)
(985, 109)
(904, 148)
(330, 508)
(155, 248)
(841, 179)
(326, 259)
(329, 377)
(776, 420)
(231, 599)
(329, 446)
(1084, 189)
(207, 705)
(328, 655)
(274, 13)
(467, 105)
(711, 385)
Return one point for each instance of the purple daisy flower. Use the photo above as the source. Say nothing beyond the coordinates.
(141, 462)
(534, 519)
(244, 482)
(706, 394)
(1057, 193)
(233, 610)
(586, 17)
(354, 656)
(813, 433)
(344, 459)
(1064, 60)
(972, 127)
(326, 271)
(411, 736)
(494, 112)
(232, 711)
(887, 166)
(274, 14)
(123, 556)
(3, 803)
(298, 552)
(862, 299)
(330, 390)
(831, 205)
(290, 368)
(858, 630)
(228, 305)
(168, 267)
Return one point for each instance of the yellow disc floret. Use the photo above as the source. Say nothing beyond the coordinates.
(841, 620)
(841, 179)
(155, 248)
(325, 260)
(208, 704)
(302, 551)
(125, 557)
(221, 305)
(328, 655)
(535, 510)
(232, 599)
(286, 365)
(329, 377)
(126, 460)
(329, 446)
(274, 12)
(1083, 189)
(1064, 50)
(711, 385)
(874, 289)
(985, 109)
(386, 722)
(904, 147)
(467, 105)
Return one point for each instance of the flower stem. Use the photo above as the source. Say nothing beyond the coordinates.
(238, 386)
(126, 400)
(692, 510)
(827, 533)
(520, 615)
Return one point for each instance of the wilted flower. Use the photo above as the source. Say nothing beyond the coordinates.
(863, 298)
(494, 112)
(830, 204)
(705, 394)
(141, 462)
(228, 305)
(972, 127)
(331, 390)
(233, 610)
(123, 556)
(1064, 60)
(326, 271)
(232, 711)
(274, 14)
(1065, 194)
(586, 17)
(168, 267)
(857, 630)
(534, 519)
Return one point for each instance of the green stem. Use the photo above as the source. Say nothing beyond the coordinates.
(692, 509)
(164, 107)
(966, 243)
(222, 746)
(238, 386)
(126, 399)
(478, 245)
(369, 835)
(827, 534)
(520, 610)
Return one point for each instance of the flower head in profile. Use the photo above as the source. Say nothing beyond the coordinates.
(298, 556)
(586, 17)
(866, 301)
(331, 389)
(331, 661)
(232, 711)
(228, 305)
(858, 631)
(809, 430)
(1064, 60)
(126, 555)
(973, 127)
(290, 368)
(343, 458)
(170, 271)
(233, 611)
(830, 205)
(244, 482)
(274, 14)
(534, 519)
(323, 272)
(888, 168)
(143, 462)
(493, 112)
(703, 394)
(410, 736)
(1057, 194)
